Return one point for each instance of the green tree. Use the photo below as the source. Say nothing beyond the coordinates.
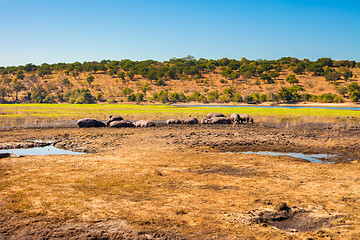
(139, 97)
(38, 94)
(262, 98)
(332, 75)
(121, 75)
(347, 74)
(300, 68)
(237, 97)
(355, 96)
(17, 87)
(267, 78)
(285, 95)
(3, 93)
(130, 75)
(145, 87)
(292, 79)
(213, 96)
(342, 91)
(131, 98)
(126, 91)
(160, 82)
(90, 79)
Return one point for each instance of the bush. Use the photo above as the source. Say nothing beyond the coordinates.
(131, 98)
(262, 98)
(237, 97)
(355, 96)
(38, 94)
(213, 96)
(292, 79)
(249, 99)
(49, 98)
(160, 82)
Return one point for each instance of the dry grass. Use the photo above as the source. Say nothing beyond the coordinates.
(155, 185)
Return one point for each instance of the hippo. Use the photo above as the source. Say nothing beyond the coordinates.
(246, 118)
(235, 117)
(218, 120)
(115, 118)
(121, 123)
(174, 121)
(144, 123)
(210, 115)
(204, 121)
(191, 121)
(89, 122)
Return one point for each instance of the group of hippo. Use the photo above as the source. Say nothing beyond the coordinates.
(211, 118)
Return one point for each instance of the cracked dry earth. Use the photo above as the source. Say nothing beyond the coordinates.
(183, 182)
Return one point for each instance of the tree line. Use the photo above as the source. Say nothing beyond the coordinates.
(13, 79)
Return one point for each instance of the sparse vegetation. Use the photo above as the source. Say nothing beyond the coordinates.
(118, 80)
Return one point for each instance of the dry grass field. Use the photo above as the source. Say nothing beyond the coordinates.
(183, 182)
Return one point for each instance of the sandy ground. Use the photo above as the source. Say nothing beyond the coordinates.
(183, 182)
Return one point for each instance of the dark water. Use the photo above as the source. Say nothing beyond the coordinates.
(47, 150)
(315, 158)
(255, 106)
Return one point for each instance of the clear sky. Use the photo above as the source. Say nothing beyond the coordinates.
(52, 31)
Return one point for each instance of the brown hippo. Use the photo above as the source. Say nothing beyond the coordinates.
(115, 118)
(218, 120)
(174, 121)
(144, 123)
(246, 118)
(122, 123)
(89, 122)
(204, 121)
(235, 117)
(191, 121)
(210, 115)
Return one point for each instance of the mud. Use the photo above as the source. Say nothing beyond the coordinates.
(55, 228)
(178, 182)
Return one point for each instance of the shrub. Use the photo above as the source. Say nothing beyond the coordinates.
(262, 98)
(49, 98)
(292, 79)
(213, 96)
(160, 82)
(237, 97)
(131, 98)
(38, 94)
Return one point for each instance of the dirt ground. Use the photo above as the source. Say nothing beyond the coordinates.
(183, 182)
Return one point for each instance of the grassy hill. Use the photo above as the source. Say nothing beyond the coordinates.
(185, 79)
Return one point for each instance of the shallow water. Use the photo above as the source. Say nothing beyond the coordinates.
(315, 158)
(47, 150)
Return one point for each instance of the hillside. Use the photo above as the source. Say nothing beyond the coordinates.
(186, 79)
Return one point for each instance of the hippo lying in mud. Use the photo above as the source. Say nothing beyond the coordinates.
(89, 122)
(174, 121)
(121, 123)
(235, 118)
(144, 123)
(246, 118)
(191, 121)
(211, 115)
(112, 119)
(216, 120)
(240, 118)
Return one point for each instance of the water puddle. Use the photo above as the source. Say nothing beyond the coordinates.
(47, 150)
(315, 158)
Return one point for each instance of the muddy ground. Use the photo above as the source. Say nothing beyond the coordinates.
(183, 182)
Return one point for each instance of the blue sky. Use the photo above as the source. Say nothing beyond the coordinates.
(55, 31)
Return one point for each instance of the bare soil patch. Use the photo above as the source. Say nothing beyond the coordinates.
(178, 182)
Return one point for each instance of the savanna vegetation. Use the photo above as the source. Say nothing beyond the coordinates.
(183, 80)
